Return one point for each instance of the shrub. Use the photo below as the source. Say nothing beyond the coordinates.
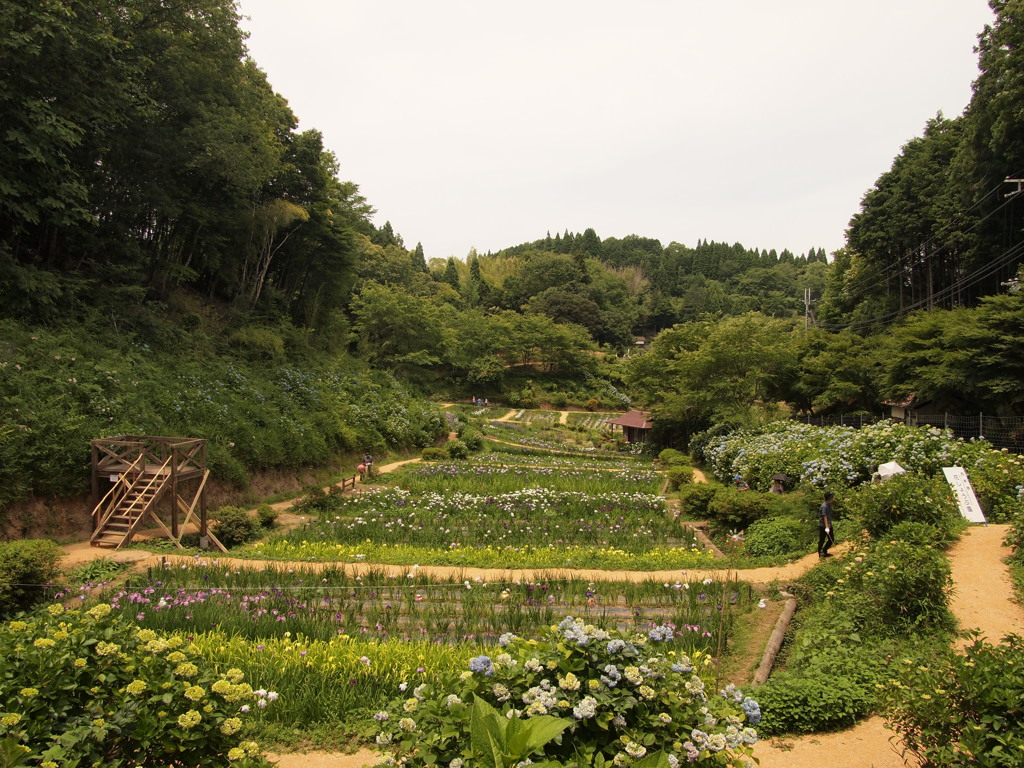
(433, 453)
(918, 534)
(266, 515)
(694, 500)
(905, 498)
(810, 703)
(23, 565)
(962, 710)
(90, 689)
(679, 476)
(234, 526)
(623, 698)
(732, 509)
(474, 439)
(671, 456)
(894, 588)
(774, 536)
(456, 449)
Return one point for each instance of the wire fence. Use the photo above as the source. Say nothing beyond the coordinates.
(1001, 431)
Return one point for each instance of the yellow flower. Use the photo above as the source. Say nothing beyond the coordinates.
(28, 693)
(56, 609)
(194, 693)
(188, 669)
(17, 626)
(189, 720)
(12, 719)
(44, 642)
(230, 726)
(136, 687)
(236, 754)
(98, 611)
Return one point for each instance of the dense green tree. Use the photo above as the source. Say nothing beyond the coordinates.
(836, 373)
(451, 273)
(419, 261)
(716, 371)
(395, 329)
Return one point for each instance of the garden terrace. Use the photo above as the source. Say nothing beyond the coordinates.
(534, 527)
(260, 603)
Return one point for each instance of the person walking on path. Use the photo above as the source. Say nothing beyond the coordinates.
(825, 537)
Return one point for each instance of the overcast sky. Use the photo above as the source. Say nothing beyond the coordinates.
(476, 124)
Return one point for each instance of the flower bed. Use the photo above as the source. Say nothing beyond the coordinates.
(322, 604)
(578, 695)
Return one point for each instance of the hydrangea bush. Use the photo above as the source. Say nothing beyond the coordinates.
(89, 689)
(628, 701)
(827, 457)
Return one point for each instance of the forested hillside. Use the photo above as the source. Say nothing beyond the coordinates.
(176, 256)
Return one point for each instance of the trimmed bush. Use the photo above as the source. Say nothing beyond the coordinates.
(474, 439)
(266, 515)
(234, 526)
(678, 477)
(433, 453)
(733, 509)
(694, 499)
(775, 536)
(671, 456)
(811, 703)
(456, 449)
(24, 564)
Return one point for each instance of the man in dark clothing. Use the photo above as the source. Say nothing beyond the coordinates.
(825, 537)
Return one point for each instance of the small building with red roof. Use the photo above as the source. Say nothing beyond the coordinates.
(636, 425)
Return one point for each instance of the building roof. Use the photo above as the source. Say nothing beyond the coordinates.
(637, 419)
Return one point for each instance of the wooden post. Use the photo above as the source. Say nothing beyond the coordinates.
(95, 497)
(174, 491)
(203, 534)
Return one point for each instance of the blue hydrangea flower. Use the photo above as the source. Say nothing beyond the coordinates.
(753, 710)
(662, 633)
(482, 664)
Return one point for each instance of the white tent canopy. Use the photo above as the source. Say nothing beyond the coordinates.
(889, 469)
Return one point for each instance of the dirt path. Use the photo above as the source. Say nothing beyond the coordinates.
(492, 575)
(983, 599)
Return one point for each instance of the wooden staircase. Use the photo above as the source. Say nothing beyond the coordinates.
(127, 504)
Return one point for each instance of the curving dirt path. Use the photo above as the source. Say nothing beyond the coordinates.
(982, 599)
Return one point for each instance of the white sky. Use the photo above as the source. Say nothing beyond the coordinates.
(469, 123)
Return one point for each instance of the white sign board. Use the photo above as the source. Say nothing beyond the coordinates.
(964, 492)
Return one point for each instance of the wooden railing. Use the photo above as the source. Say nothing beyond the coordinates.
(159, 476)
(100, 519)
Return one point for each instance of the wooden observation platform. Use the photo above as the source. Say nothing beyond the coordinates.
(150, 479)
